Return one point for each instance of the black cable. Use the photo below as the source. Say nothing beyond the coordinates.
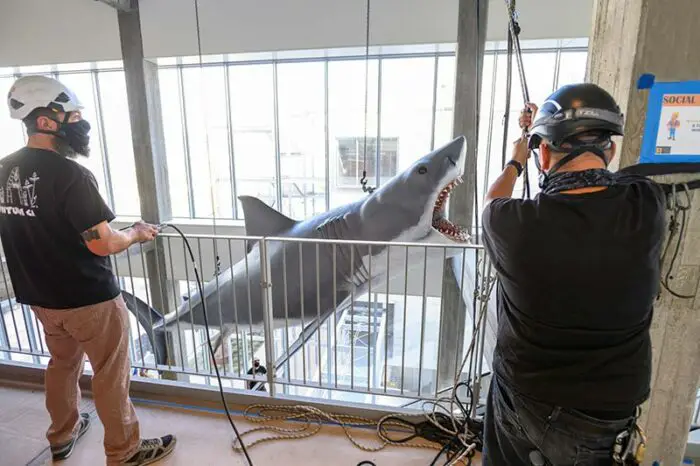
(677, 230)
(209, 345)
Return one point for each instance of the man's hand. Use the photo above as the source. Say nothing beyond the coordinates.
(527, 116)
(102, 240)
(144, 231)
(520, 151)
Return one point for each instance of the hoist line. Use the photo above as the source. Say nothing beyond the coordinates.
(514, 46)
(200, 287)
(363, 180)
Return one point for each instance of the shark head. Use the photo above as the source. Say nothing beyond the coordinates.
(416, 198)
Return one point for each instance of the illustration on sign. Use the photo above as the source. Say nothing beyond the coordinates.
(672, 128)
(679, 125)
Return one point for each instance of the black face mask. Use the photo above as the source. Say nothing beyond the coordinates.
(76, 134)
(72, 138)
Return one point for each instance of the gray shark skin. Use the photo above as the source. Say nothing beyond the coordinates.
(401, 210)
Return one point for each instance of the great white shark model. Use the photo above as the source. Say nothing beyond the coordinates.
(318, 278)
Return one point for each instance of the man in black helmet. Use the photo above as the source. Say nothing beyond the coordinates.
(578, 270)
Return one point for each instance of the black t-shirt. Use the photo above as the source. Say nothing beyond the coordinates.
(46, 202)
(578, 277)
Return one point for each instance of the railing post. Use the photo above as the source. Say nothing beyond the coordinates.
(266, 289)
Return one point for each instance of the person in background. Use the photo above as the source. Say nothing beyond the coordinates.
(257, 369)
(56, 234)
(578, 270)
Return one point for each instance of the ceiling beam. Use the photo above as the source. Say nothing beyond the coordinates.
(122, 5)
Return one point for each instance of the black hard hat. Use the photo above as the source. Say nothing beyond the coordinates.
(576, 109)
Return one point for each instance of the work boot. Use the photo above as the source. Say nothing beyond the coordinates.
(61, 452)
(152, 450)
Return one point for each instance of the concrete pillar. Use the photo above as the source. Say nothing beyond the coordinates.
(632, 37)
(149, 148)
(471, 40)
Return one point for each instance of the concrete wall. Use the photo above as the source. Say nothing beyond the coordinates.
(34, 32)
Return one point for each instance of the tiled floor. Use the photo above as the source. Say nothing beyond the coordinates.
(203, 439)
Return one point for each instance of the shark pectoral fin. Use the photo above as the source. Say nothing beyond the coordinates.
(263, 220)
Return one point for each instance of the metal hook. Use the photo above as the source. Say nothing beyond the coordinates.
(671, 200)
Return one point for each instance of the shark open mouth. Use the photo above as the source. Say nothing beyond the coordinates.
(440, 222)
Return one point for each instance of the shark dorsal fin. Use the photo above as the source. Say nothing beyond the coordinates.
(263, 220)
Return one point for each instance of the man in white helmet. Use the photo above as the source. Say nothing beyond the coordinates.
(56, 235)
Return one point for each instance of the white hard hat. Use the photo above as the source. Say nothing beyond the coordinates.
(31, 92)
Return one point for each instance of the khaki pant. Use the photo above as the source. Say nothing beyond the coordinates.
(102, 332)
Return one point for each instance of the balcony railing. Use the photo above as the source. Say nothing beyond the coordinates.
(382, 344)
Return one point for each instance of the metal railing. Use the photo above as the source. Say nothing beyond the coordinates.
(305, 308)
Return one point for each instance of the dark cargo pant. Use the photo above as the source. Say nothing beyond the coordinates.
(521, 431)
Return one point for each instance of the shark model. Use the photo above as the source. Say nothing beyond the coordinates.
(318, 278)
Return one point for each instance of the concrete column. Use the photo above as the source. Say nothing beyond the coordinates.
(471, 39)
(149, 148)
(632, 37)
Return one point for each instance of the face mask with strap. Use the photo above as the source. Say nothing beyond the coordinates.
(76, 133)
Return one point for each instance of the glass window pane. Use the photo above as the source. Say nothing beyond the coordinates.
(572, 68)
(406, 113)
(168, 81)
(301, 110)
(36, 69)
(445, 99)
(485, 112)
(13, 134)
(81, 84)
(207, 136)
(253, 127)
(346, 126)
(120, 150)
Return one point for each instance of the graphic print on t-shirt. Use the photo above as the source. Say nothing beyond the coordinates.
(18, 198)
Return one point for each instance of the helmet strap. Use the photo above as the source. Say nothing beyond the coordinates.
(575, 153)
(58, 133)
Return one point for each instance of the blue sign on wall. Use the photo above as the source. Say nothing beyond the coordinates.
(672, 130)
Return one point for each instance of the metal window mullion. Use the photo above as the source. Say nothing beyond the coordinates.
(278, 155)
(434, 115)
(231, 151)
(327, 136)
(557, 65)
(487, 164)
(378, 147)
(103, 136)
(185, 141)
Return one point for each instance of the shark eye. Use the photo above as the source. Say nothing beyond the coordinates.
(422, 170)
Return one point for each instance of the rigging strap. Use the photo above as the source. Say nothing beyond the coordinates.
(514, 49)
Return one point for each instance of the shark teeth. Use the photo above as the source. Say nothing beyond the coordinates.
(440, 223)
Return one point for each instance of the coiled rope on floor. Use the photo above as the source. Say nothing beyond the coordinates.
(311, 420)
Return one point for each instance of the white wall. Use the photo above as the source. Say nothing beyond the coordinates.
(63, 31)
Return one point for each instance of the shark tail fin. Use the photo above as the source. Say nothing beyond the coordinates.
(263, 220)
